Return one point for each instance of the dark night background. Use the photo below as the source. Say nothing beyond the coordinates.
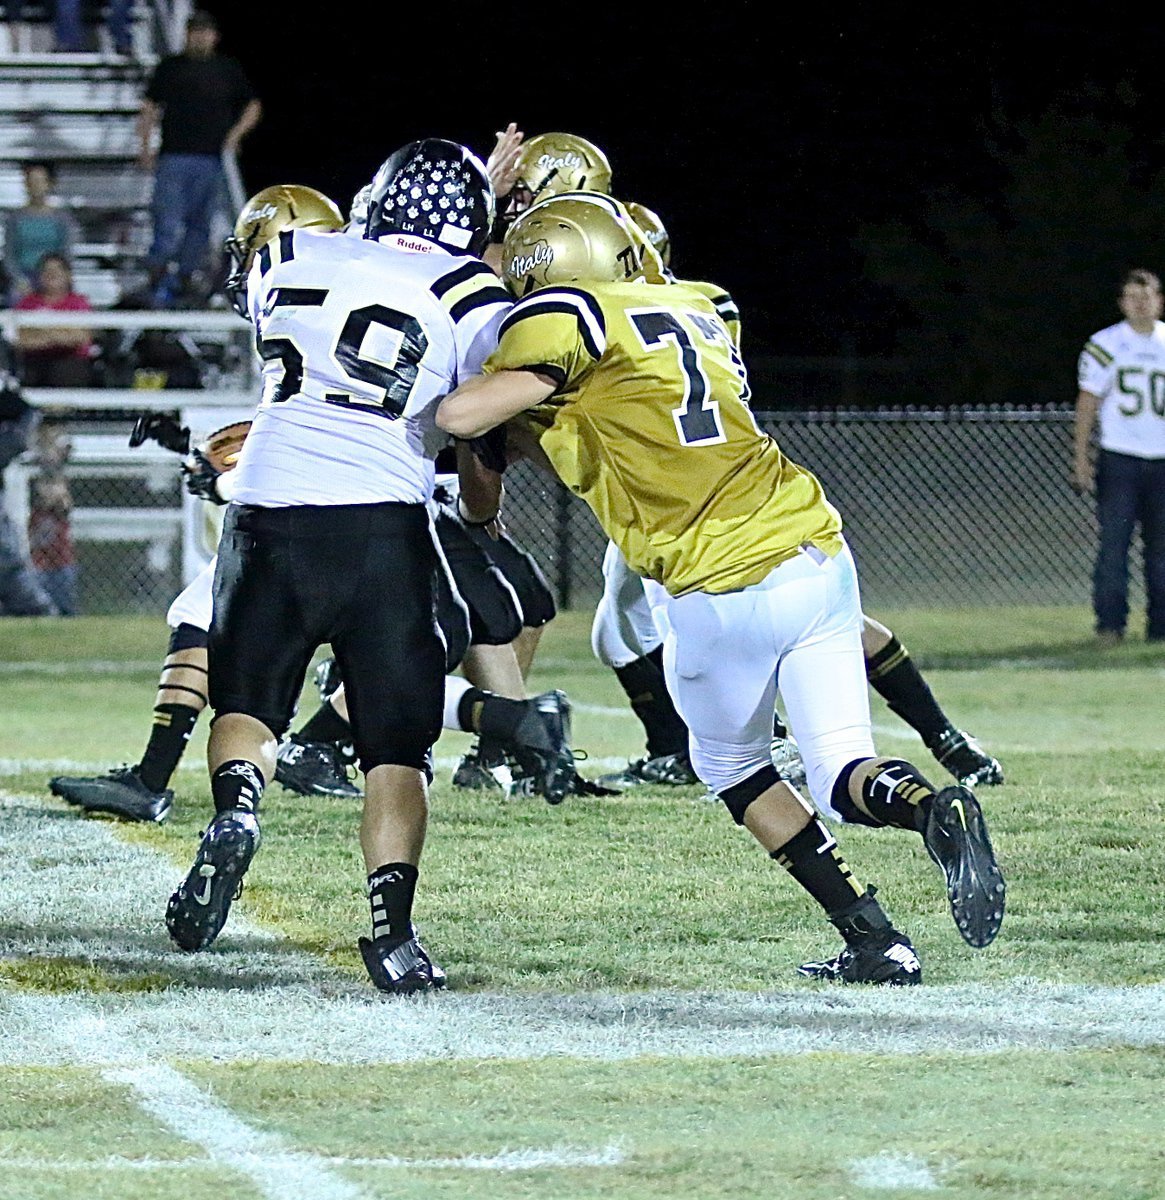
(960, 195)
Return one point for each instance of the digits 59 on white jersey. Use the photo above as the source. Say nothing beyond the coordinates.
(359, 340)
(1126, 369)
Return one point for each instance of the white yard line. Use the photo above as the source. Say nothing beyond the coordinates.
(563, 1157)
(72, 889)
(10, 768)
(897, 1172)
(277, 1170)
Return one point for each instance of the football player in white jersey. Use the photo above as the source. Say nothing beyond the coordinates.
(510, 602)
(328, 537)
(1121, 376)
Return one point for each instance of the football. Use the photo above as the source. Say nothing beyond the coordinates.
(221, 449)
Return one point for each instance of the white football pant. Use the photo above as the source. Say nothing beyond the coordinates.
(725, 654)
(623, 629)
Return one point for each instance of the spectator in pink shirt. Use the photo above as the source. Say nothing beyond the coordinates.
(55, 357)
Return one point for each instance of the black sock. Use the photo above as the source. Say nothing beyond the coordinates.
(173, 725)
(813, 859)
(780, 729)
(237, 784)
(390, 892)
(893, 675)
(499, 717)
(470, 708)
(644, 684)
(325, 725)
(898, 794)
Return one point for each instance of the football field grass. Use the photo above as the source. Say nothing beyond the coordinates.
(623, 1015)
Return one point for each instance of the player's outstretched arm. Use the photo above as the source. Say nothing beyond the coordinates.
(488, 400)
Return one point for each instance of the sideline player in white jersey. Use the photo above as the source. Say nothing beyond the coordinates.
(1121, 376)
(328, 538)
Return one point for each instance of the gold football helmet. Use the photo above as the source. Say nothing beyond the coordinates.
(552, 163)
(578, 238)
(264, 217)
(652, 268)
(653, 229)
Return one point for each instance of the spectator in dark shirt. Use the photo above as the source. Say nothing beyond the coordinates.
(206, 107)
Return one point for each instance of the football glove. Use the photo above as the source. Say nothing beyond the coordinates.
(161, 428)
(201, 477)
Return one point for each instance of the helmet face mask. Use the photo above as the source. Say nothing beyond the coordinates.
(435, 190)
(263, 218)
(577, 238)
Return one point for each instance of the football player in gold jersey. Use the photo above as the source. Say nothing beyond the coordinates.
(891, 671)
(623, 634)
(634, 394)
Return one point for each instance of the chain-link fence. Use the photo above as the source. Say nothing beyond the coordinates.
(948, 507)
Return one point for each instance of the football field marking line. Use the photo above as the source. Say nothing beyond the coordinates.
(256, 997)
(562, 1157)
(277, 1170)
(890, 1171)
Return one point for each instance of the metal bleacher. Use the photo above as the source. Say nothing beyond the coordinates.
(137, 533)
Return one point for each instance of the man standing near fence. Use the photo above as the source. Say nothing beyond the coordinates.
(206, 106)
(1121, 376)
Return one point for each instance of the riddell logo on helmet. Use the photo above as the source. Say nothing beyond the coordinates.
(524, 264)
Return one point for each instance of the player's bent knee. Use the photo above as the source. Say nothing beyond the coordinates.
(277, 724)
(401, 750)
(740, 795)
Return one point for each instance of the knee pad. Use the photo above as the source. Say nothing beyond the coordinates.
(739, 796)
(406, 751)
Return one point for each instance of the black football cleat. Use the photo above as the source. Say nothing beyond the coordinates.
(541, 746)
(199, 908)
(313, 769)
(482, 769)
(875, 952)
(889, 961)
(401, 965)
(666, 770)
(956, 838)
(121, 793)
(959, 753)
